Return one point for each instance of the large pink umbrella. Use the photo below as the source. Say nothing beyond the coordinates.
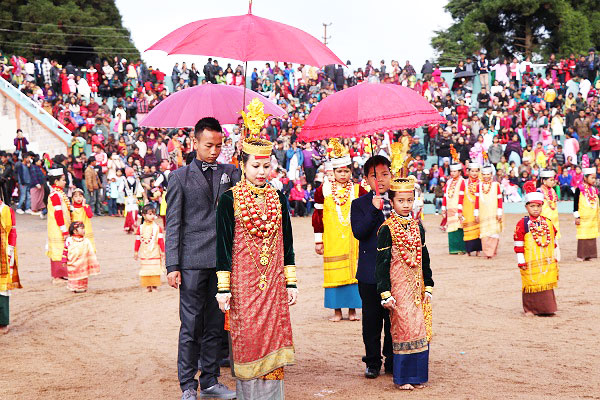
(247, 38)
(366, 109)
(184, 108)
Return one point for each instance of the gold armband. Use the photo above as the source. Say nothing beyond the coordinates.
(429, 289)
(290, 275)
(385, 295)
(223, 281)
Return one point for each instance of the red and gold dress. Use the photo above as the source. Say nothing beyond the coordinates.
(403, 272)
(255, 263)
(80, 257)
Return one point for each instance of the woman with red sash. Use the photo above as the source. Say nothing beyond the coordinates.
(256, 272)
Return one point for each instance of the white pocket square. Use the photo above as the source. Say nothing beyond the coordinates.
(225, 179)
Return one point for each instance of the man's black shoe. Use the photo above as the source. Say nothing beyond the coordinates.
(371, 373)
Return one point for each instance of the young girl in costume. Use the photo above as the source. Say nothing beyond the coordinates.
(80, 211)
(80, 257)
(333, 235)
(586, 211)
(535, 239)
(133, 191)
(404, 281)
(150, 249)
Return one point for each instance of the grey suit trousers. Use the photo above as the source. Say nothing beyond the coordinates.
(201, 331)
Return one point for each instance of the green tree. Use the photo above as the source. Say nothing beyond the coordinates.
(518, 27)
(64, 29)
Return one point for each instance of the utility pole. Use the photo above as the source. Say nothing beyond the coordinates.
(325, 37)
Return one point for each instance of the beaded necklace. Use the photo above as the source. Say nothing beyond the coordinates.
(340, 199)
(406, 236)
(259, 222)
(591, 194)
(539, 229)
(149, 240)
(486, 186)
(452, 187)
(473, 184)
(550, 197)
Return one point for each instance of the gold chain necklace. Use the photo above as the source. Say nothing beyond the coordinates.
(265, 260)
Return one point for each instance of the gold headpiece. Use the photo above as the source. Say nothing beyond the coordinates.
(254, 121)
(339, 155)
(401, 181)
(403, 184)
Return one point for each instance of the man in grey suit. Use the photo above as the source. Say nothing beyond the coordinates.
(192, 197)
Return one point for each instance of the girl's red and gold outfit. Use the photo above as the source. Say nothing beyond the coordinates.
(80, 257)
(255, 263)
(586, 207)
(403, 272)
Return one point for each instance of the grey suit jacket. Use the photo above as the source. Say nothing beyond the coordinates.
(191, 216)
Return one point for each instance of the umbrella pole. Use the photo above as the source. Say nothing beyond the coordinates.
(245, 79)
(374, 170)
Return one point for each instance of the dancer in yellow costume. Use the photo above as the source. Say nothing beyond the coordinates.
(59, 220)
(535, 247)
(9, 275)
(333, 235)
(585, 211)
(470, 210)
(490, 212)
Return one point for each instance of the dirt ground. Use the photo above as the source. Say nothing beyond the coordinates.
(119, 342)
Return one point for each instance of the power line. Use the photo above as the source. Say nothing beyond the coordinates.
(62, 25)
(70, 51)
(62, 33)
(65, 46)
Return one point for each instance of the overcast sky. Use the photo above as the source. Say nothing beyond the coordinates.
(360, 30)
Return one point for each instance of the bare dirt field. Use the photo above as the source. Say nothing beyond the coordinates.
(119, 342)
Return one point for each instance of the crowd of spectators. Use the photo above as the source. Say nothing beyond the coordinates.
(522, 120)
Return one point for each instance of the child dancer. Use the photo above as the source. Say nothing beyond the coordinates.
(535, 239)
(133, 190)
(80, 257)
(80, 211)
(404, 280)
(149, 249)
(586, 212)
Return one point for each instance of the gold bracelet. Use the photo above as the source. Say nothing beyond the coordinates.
(223, 280)
(386, 295)
(429, 289)
(290, 274)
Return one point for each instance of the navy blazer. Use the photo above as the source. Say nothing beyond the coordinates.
(366, 220)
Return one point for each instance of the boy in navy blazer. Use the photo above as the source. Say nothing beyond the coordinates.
(368, 212)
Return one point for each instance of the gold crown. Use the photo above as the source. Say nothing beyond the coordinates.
(254, 122)
(257, 147)
(403, 184)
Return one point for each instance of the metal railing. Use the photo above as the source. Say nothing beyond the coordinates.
(45, 117)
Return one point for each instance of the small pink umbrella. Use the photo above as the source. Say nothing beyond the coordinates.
(184, 108)
(366, 109)
(247, 38)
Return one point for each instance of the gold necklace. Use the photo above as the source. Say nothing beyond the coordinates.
(265, 260)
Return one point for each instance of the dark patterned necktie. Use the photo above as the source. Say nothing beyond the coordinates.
(206, 166)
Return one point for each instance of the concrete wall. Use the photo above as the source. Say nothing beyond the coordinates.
(41, 139)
